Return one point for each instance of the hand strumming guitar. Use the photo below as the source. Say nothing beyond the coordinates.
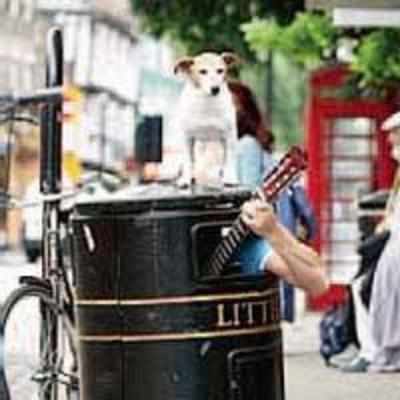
(291, 260)
(259, 216)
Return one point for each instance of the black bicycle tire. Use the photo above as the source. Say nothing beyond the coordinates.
(4, 391)
(19, 293)
(11, 301)
(41, 292)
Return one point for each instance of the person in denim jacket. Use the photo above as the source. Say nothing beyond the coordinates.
(254, 161)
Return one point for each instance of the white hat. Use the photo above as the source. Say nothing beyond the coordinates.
(391, 122)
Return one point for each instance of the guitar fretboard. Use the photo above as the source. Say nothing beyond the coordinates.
(222, 254)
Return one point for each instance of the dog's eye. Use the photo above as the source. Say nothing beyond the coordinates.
(220, 71)
(203, 71)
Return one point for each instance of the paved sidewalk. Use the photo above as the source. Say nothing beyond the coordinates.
(307, 377)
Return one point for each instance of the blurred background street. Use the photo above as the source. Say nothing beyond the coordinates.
(325, 76)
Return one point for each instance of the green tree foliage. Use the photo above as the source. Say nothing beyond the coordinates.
(289, 92)
(210, 24)
(284, 109)
(377, 59)
(308, 40)
(311, 39)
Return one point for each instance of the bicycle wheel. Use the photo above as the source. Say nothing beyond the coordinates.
(33, 370)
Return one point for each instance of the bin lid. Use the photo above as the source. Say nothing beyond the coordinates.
(374, 200)
(158, 197)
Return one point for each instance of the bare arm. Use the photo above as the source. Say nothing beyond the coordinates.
(296, 262)
(291, 259)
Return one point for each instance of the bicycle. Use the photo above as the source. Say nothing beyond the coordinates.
(51, 365)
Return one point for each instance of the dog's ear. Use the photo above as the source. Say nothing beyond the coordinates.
(183, 64)
(230, 59)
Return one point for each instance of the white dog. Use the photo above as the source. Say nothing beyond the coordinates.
(206, 110)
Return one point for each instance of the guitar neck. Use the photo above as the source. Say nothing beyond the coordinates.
(229, 244)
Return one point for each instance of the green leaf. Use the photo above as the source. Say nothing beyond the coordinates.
(377, 58)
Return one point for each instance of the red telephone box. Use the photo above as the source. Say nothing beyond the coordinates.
(348, 156)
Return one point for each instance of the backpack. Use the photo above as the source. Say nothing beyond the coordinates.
(336, 330)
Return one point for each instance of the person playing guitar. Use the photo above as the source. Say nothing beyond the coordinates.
(259, 242)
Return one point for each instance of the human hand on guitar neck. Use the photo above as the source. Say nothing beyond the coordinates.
(259, 216)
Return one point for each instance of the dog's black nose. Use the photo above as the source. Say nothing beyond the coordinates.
(215, 90)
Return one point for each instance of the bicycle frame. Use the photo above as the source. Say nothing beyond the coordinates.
(54, 275)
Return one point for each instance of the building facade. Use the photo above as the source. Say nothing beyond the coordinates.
(100, 54)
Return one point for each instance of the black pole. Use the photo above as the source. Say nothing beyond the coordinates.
(51, 118)
(50, 183)
(270, 88)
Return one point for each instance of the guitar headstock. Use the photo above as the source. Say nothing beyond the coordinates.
(285, 172)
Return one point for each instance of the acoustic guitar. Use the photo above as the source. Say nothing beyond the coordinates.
(287, 170)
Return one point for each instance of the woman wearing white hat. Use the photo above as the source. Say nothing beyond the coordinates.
(379, 327)
(385, 299)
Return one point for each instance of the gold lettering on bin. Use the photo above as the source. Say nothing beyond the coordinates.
(221, 323)
(243, 314)
(236, 315)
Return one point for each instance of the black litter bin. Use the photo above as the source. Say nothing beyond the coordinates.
(152, 323)
(371, 209)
